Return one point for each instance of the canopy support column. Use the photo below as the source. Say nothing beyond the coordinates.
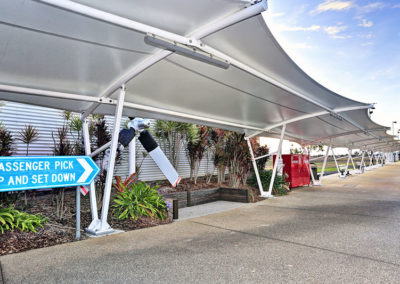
(362, 164)
(277, 160)
(104, 227)
(348, 162)
(351, 158)
(309, 164)
(337, 165)
(92, 192)
(324, 165)
(253, 160)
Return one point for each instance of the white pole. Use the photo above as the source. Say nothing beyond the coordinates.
(351, 158)
(132, 156)
(104, 226)
(362, 162)
(309, 164)
(92, 192)
(253, 160)
(336, 163)
(348, 161)
(324, 164)
(278, 157)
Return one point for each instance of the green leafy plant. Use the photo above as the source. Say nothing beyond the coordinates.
(172, 135)
(28, 135)
(6, 219)
(11, 219)
(6, 141)
(139, 200)
(120, 185)
(280, 186)
(28, 222)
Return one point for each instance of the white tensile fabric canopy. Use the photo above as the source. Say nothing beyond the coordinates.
(212, 62)
(85, 50)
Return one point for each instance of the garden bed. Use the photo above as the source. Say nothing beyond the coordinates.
(57, 232)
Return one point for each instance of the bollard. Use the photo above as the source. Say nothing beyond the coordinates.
(175, 214)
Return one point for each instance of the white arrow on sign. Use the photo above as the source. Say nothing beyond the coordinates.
(87, 172)
(1, 179)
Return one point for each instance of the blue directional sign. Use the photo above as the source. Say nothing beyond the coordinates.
(24, 173)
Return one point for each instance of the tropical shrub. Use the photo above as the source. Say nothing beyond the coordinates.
(219, 139)
(6, 141)
(258, 152)
(120, 185)
(139, 200)
(11, 219)
(239, 160)
(197, 144)
(280, 186)
(172, 135)
(6, 219)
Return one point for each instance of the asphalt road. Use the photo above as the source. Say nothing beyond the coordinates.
(346, 231)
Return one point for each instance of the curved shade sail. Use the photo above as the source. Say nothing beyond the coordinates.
(75, 55)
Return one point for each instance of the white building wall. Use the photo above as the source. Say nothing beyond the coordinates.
(47, 120)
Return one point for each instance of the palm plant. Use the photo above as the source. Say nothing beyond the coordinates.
(172, 135)
(219, 139)
(6, 141)
(197, 144)
(28, 135)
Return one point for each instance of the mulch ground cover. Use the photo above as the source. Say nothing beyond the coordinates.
(57, 231)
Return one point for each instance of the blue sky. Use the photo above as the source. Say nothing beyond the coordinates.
(351, 47)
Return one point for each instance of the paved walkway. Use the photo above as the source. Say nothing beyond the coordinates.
(347, 231)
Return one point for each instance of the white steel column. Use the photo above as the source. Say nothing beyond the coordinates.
(362, 166)
(336, 163)
(351, 158)
(324, 164)
(309, 163)
(278, 157)
(92, 191)
(132, 157)
(253, 160)
(348, 161)
(104, 226)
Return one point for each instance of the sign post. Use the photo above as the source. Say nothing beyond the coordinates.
(25, 173)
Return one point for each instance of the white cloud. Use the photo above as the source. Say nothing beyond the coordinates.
(297, 28)
(371, 7)
(330, 5)
(396, 6)
(366, 24)
(334, 30)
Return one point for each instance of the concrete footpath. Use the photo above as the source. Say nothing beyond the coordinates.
(347, 231)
